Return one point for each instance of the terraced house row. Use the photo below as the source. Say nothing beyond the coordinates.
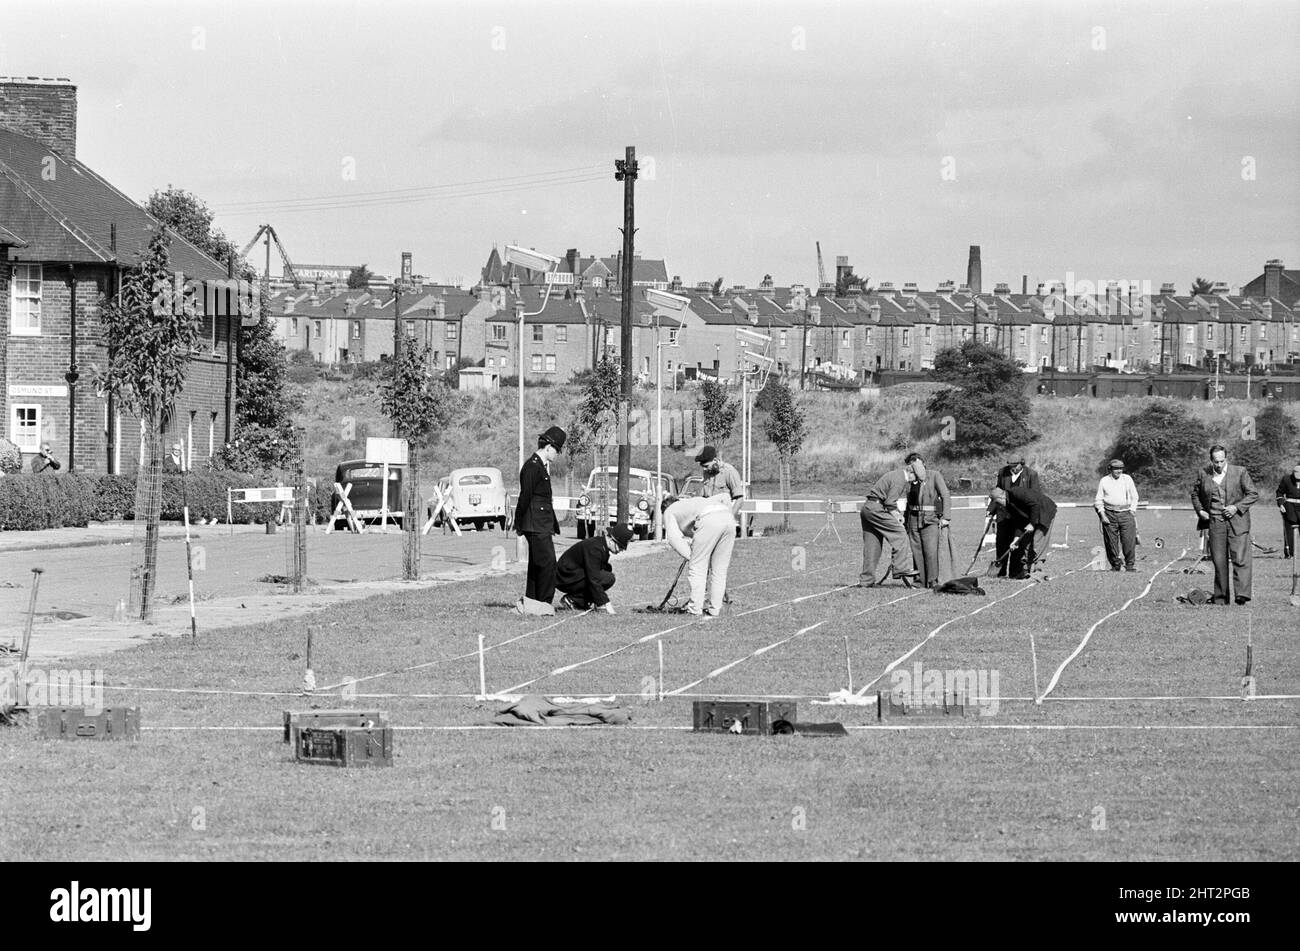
(849, 337)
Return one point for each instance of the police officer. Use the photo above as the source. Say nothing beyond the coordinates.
(1288, 503)
(535, 520)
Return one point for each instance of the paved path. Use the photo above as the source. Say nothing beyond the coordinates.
(86, 572)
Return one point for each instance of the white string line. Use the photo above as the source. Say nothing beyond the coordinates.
(657, 634)
(1056, 677)
(961, 617)
(763, 650)
(448, 660)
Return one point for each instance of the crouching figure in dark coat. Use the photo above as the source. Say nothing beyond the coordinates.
(583, 573)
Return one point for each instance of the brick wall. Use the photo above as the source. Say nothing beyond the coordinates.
(42, 361)
(45, 110)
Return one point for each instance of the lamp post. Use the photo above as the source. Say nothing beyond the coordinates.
(662, 299)
(533, 261)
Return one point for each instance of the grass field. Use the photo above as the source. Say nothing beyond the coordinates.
(1103, 768)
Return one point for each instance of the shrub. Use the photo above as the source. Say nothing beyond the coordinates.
(32, 502)
(1161, 443)
(986, 400)
(11, 457)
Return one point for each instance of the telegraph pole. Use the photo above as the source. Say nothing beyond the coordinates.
(626, 170)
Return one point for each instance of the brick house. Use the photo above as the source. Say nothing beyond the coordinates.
(67, 237)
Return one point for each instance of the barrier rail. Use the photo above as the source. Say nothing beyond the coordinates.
(276, 493)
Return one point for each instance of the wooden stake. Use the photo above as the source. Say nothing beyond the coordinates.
(661, 670)
(1034, 651)
(482, 663)
(848, 662)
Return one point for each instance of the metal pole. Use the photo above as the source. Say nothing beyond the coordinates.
(627, 171)
(659, 436)
(189, 570)
(803, 356)
(519, 310)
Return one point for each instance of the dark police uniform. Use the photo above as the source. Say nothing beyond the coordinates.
(583, 573)
(1288, 500)
(535, 520)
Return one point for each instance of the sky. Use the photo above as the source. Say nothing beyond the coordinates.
(1148, 141)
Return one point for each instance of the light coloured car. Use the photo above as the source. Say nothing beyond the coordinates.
(644, 500)
(476, 497)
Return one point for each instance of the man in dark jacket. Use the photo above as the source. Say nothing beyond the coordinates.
(1222, 497)
(583, 572)
(535, 518)
(1014, 475)
(1288, 503)
(1024, 509)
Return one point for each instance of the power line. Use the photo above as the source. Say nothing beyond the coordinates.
(415, 193)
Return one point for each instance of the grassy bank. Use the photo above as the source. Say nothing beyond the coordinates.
(851, 439)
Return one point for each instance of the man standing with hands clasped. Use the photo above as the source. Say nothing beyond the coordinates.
(1222, 497)
(535, 520)
(1116, 504)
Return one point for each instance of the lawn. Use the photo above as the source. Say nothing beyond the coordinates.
(1098, 770)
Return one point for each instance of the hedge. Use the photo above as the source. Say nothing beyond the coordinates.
(31, 502)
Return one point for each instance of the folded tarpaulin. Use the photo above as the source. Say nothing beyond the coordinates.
(539, 711)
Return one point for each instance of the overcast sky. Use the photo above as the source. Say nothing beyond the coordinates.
(1145, 141)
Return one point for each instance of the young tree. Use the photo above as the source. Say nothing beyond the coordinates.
(150, 333)
(847, 281)
(719, 412)
(1160, 444)
(786, 430)
(420, 409)
(190, 218)
(1202, 286)
(595, 417)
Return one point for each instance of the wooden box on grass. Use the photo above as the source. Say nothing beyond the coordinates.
(344, 746)
(295, 720)
(77, 723)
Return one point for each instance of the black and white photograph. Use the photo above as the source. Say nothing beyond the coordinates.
(650, 431)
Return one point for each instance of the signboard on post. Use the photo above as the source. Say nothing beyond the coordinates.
(383, 450)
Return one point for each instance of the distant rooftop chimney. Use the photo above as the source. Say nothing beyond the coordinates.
(1273, 277)
(41, 109)
(909, 289)
(974, 279)
(946, 287)
(1001, 288)
(963, 288)
(887, 289)
(1168, 287)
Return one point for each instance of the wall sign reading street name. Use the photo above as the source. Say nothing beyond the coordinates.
(24, 389)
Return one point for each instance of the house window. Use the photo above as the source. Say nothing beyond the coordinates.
(1189, 334)
(356, 330)
(25, 424)
(317, 328)
(1263, 332)
(783, 337)
(536, 363)
(1209, 332)
(537, 333)
(597, 282)
(928, 341)
(965, 333)
(1242, 335)
(844, 338)
(451, 361)
(25, 298)
(1024, 337)
(986, 334)
(867, 330)
(1042, 335)
(907, 338)
(410, 328)
(550, 363)
(672, 338)
(293, 326)
(807, 337)
(670, 367)
(561, 334)
(498, 331)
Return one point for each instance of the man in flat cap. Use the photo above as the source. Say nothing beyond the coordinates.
(1014, 475)
(882, 527)
(535, 520)
(721, 478)
(1117, 504)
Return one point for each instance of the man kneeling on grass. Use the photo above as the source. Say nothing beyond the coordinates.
(583, 572)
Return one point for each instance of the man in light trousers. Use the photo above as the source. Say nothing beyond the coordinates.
(711, 529)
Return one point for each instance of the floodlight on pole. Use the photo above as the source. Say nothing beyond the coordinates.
(533, 261)
(662, 299)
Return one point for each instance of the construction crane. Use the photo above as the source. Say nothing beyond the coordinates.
(270, 234)
(821, 270)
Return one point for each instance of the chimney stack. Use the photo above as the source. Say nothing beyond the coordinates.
(1273, 278)
(1024, 283)
(973, 277)
(41, 109)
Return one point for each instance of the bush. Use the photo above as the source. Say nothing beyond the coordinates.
(32, 502)
(986, 400)
(11, 457)
(1161, 444)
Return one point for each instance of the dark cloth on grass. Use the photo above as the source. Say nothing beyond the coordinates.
(583, 572)
(539, 711)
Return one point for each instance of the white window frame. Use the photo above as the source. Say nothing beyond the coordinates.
(867, 331)
(17, 329)
(498, 331)
(1242, 335)
(356, 330)
(410, 328)
(293, 326)
(16, 432)
(561, 333)
(1209, 332)
(550, 363)
(316, 328)
(672, 336)
(1189, 333)
(539, 333)
(1024, 337)
(535, 363)
(451, 331)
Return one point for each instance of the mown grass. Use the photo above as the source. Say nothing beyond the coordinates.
(945, 789)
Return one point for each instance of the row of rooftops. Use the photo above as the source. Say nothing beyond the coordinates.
(792, 306)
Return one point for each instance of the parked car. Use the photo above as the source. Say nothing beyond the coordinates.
(367, 493)
(694, 485)
(477, 497)
(645, 502)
